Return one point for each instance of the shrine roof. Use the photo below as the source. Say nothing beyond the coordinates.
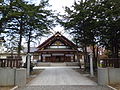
(57, 36)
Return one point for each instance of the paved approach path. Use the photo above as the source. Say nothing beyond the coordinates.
(62, 79)
(61, 76)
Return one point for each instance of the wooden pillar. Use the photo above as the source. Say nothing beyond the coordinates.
(74, 58)
(51, 57)
(41, 58)
(64, 57)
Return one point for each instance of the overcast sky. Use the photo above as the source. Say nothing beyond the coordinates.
(59, 6)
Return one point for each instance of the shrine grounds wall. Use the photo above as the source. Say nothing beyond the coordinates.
(108, 75)
(11, 77)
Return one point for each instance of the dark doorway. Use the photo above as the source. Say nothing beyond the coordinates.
(58, 59)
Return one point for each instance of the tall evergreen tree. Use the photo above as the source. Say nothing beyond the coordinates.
(95, 22)
(38, 23)
(28, 21)
(81, 21)
(109, 17)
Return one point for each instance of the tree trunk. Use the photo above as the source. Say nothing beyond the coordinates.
(97, 52)
(114, 47)
(20, 38)
(94, 58)
(28, 50)
(86, 60)
(28, 44)
(19, 43)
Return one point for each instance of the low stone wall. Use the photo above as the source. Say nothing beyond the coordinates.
(7, 77)
(108, 75)
(114, 75)
(11, 77)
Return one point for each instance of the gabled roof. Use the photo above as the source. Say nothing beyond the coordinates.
(55, 37)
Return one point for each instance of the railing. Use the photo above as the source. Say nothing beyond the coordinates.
(110, 62)
(11, 62)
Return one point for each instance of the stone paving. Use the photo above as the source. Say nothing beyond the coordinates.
(61, 76)
(62, 79)
(66, 87)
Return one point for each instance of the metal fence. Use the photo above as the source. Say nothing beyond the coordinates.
(11, 62)
(110, 62)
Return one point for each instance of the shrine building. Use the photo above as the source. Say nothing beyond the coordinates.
(57, 48)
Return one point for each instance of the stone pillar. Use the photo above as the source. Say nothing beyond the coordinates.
(28, 64)
(103, 76)
(91, 65)
(20, 77)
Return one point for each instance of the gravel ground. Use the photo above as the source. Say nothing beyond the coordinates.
(87, 74)
(6, 88)
(116, 86)
(34, 74)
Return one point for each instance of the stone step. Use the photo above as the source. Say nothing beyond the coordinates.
(43, 64)
(66, 87)
(58, 64)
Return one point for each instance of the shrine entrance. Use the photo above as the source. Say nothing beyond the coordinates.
(57, 49)
(58, 59)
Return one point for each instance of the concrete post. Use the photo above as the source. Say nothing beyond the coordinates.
(28, 64)
(91, 65)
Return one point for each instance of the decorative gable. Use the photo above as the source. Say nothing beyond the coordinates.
(57, 41)
(58, 44)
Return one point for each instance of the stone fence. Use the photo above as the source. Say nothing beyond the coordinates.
(12, 77)
(108, 75)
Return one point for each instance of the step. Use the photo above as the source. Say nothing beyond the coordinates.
(58, 64)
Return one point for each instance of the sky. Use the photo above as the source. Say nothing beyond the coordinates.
(58, 6)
